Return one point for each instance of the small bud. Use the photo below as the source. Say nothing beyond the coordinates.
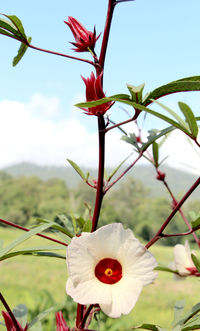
(160, 175)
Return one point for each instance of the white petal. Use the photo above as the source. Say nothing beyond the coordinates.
(124, 297)
(137, 262)
(90, 292)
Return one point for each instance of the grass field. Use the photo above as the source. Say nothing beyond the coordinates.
(23, 279)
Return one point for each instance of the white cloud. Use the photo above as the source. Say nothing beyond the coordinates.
(29, 132)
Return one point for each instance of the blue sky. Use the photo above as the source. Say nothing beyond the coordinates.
(151, 41)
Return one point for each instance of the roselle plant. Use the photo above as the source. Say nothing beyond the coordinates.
(107, 265)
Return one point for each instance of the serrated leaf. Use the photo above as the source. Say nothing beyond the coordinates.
(196, 262)
(17, 23)
(190, 118)
(136, 106)
(21, 51)
(87, 227)
(77, 169)
(131, 139)
(24, 237)
(155, 151)
(182, 85)
(195, 224)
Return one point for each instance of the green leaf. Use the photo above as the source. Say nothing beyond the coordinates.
(22, 50)
(155, 150)
(173, 113)
(146, 326)
(117, 168)
(163, 268)
(131, 139)
(56, 226)
(24, 237)
(77, 169)
(30, 251)
(87, 227)
(190, 118)
(182, 85)
(18, 24)
(195, 310)
(20, 312)
(6, 26)
(41, 316)
(136, 106)
(178, 311)
(136, 92)
(196, 262)
(153, 137)
(196, 224)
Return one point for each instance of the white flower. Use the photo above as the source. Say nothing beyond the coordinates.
(108, 267)
(182, 260)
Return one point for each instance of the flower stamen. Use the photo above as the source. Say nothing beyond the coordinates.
(108, 271)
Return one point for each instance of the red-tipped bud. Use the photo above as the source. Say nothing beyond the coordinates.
(10, 324)
(94, 92)
(160, 175)
(84, 39)
(61, 325)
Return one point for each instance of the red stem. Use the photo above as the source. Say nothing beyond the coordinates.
(99, 193)
(111, 5)
(9, 312)
(118, 178)
(181, 213)
(38, 234)
(159, 235)
(61, 54)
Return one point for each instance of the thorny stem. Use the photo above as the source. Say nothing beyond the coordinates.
(38, 234)
(181, 213)
(159, 233)
(9, 312)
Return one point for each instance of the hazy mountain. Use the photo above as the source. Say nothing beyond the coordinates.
(178, 180)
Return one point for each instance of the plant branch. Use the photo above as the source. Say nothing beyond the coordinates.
(118, 178)
(121, 123)
(38, 234)
(111, 6)
(181, 213)
(159, 233)
(99, 192)
(61, 54)
(9, 312)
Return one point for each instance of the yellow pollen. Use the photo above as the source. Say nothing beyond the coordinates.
(108, 272)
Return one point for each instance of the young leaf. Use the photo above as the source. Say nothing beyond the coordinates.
(77, 169)
(196, 223)
(155, 150)
(18, 24)
(56, 226)
(196, 262)
(87, 227)
(136, 92)
(190, 118)
(117, 168)
(22, 50)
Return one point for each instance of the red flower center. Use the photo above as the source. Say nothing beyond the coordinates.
(108, 271)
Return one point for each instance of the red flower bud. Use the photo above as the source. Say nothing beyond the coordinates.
(160, 175)
(60, 322)
(10, 324)
(84, 39)
(94, 92)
